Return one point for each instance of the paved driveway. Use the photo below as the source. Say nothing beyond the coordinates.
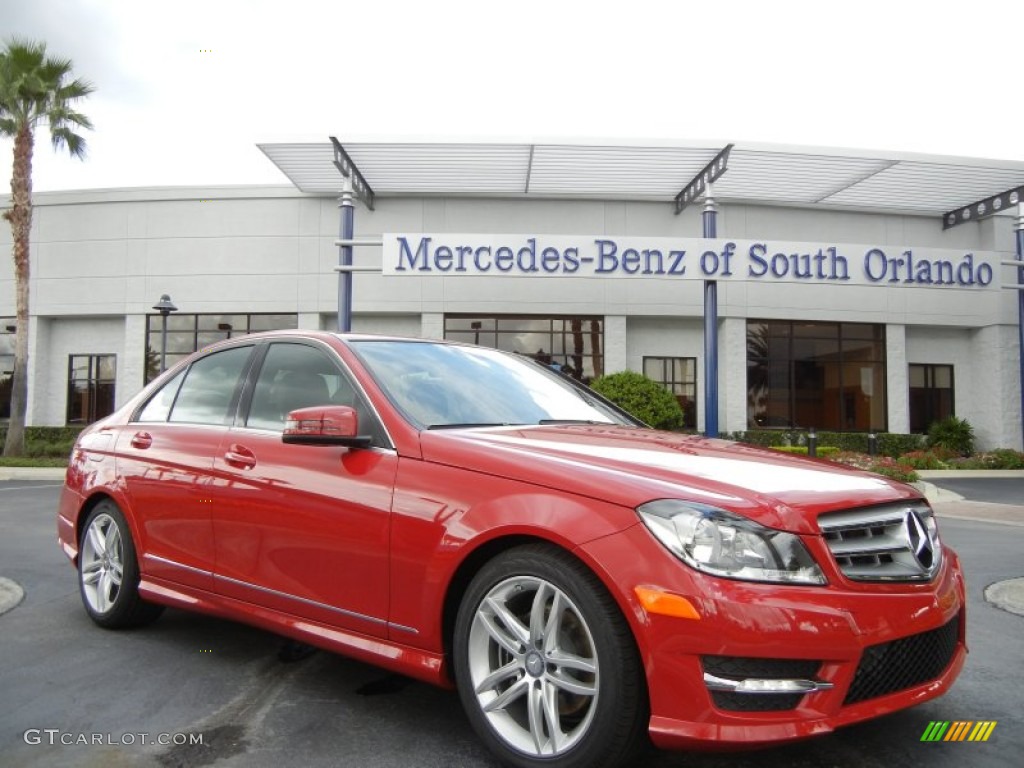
(189, 674)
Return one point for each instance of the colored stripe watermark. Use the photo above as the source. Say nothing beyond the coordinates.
(959, 730)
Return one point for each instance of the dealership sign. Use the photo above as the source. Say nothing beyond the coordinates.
(684, 259)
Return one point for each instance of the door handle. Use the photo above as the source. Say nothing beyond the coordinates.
(240, 457)
(142, 440)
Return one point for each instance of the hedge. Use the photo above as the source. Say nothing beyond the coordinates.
(46, 442)
(890, 444)
(822, 451)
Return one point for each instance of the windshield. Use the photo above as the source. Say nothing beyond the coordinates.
(447, 385)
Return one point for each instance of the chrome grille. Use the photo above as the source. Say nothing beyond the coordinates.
(896, 542)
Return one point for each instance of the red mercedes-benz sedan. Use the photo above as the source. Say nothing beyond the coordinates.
(470, 518)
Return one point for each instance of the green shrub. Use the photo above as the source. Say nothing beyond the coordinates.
(892, 444)
(766, 438)
(645, 398)
(895, 444)
(880, 465)
(1001, 458)
(893, 469)
(823, 451)
(48, 448)
(21, 461)
(953, 434)
(923, 460)
(1004, 458)
(47, 442)
(967, 462)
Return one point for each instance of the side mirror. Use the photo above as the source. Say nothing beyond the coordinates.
(324, 425)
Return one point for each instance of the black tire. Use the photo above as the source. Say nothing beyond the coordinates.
(108, 571)
(546, 666)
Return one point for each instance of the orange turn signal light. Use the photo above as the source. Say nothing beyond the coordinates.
(665, 603)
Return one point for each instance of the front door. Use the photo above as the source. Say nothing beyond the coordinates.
(303, 529)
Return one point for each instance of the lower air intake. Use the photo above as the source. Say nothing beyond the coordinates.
(901, 664)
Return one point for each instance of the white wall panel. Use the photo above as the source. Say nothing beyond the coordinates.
(72, 336)
(102, 258)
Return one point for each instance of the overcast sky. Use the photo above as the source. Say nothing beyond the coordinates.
(186, 88)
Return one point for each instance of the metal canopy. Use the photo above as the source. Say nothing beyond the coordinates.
(992, 204)
(699, 184)
(780, 175)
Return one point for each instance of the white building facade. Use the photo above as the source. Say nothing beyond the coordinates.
(844, 339)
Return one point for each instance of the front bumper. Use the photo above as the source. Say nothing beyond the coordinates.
(823, 632)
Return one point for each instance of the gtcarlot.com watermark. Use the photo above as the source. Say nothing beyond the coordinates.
(57, 737)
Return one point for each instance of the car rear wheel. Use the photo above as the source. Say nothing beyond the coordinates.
(108, 571)
(546, 666)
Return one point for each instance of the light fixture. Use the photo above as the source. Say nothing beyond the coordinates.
(165, 306)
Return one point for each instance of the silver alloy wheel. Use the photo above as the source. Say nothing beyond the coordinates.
(533, 666)
(102, 563)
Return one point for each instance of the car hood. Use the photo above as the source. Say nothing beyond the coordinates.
(631, 466)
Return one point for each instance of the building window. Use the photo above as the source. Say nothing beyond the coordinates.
(573, 344)
(823, 375)
(7, 328)
(91, 380)
(679, 376)
(188, 333)
(931, 395)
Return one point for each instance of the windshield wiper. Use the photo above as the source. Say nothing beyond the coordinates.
(470, 424)
(574, 421)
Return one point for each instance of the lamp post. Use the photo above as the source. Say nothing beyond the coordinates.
(709, 220)
(348, 211)
(165, 306)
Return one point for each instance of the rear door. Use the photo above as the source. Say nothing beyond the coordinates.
(165, 456)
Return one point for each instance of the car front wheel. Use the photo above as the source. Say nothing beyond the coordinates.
(108, 571)
(546, 666)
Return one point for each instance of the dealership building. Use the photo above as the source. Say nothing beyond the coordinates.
(776, 287)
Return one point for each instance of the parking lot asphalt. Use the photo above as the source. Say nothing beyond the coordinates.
(11, 594)
(190, 674)
(988, 497)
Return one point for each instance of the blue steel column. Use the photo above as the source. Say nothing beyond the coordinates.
(1020, 306)
(710, 328)
(347, 206)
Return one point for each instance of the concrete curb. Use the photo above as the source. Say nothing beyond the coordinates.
(10, 595)
(33, 473)
(1008, 595)
(957, 474)
(934, 494)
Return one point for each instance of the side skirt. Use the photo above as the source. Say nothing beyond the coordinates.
(405, 660)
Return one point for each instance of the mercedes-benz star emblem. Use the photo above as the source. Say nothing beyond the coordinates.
(919, 540)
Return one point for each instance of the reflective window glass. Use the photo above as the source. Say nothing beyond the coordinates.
(91, 387)
(187, 333)
(210, 384)
(679, 376)
(295, 376)
(931, 395)
(158, 408)
(810, 374)
(571, 344)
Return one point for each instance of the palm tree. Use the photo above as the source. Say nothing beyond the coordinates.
(34, 89)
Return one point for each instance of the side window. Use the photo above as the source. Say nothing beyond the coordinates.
(293, 376)
(298, 376)
(159, 406)
(209, 385)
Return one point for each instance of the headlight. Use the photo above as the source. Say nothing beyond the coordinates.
(725, 544)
